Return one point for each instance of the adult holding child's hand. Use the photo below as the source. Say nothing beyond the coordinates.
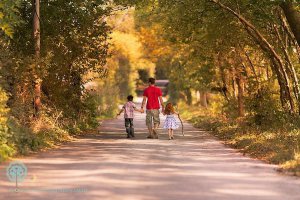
(153, 96)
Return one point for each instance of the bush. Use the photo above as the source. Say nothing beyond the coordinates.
(106, 98)
(263, 108)
(42, 134)
(261, 136)
(5, 149)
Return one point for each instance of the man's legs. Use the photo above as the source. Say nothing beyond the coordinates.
(152, 122)
(156, 122)
(155, 134)
(150, 130)
(149, 123)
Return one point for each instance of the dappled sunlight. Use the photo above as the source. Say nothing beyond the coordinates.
(231, 67)
(248, 192)
(110, 166)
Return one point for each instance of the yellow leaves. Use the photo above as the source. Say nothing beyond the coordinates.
(154, 42)
(7, 29)
(128, 52)
(3, 109)
(127, 44)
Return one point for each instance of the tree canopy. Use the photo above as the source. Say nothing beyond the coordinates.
(240, 57)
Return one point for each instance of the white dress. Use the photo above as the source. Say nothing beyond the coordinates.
(170, 122)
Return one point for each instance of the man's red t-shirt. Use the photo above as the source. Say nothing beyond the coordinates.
(152, 93)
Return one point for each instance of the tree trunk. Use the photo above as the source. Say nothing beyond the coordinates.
(252, 67)
(278, 65)
(223, 76)
(241, 105)
(290, 33)
(293, 18)
(198, 97)
(203, 99)
(290, 68)
(37, 46)
(233, 87)
(240, 75)
(285, 95)
(188, 96)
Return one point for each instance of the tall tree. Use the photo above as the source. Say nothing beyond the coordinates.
(293, 17)
(37, 47)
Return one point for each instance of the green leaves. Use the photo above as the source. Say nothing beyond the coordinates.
(73, 44)
(9, 17)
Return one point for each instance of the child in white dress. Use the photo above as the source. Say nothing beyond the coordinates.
(170, 122)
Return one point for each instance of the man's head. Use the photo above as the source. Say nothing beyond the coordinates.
(130, 98)
(151, 81)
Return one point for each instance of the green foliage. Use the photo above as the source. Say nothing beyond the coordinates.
(6, 149)
(74, 44)
(74, 38)
(44, 134)
(276, 144)
(197, 45)
(128, 56)
(9, 17)
(266, 110)
(205, 38)
(107, 101)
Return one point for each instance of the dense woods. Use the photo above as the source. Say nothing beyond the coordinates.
(236, 62)
(240, 48)
(48, 51)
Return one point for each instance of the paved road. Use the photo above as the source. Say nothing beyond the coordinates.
(110, 167)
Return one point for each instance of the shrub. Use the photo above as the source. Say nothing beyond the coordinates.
(5, 149)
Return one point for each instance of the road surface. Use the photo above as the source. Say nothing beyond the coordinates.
(108, 166)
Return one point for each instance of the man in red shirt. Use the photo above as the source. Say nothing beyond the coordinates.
(153, 96)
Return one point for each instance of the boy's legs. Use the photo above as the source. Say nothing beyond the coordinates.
(131, 127)
(127, 126)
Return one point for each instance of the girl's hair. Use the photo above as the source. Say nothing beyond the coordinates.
(169, 109)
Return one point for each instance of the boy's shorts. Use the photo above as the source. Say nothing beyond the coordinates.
(152, 116)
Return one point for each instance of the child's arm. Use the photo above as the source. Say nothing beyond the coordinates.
(139, 110)
(120, 112)
(176, 113)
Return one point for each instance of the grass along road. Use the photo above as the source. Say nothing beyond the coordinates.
(109, 166)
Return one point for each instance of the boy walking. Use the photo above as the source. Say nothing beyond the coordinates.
(128, 110)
